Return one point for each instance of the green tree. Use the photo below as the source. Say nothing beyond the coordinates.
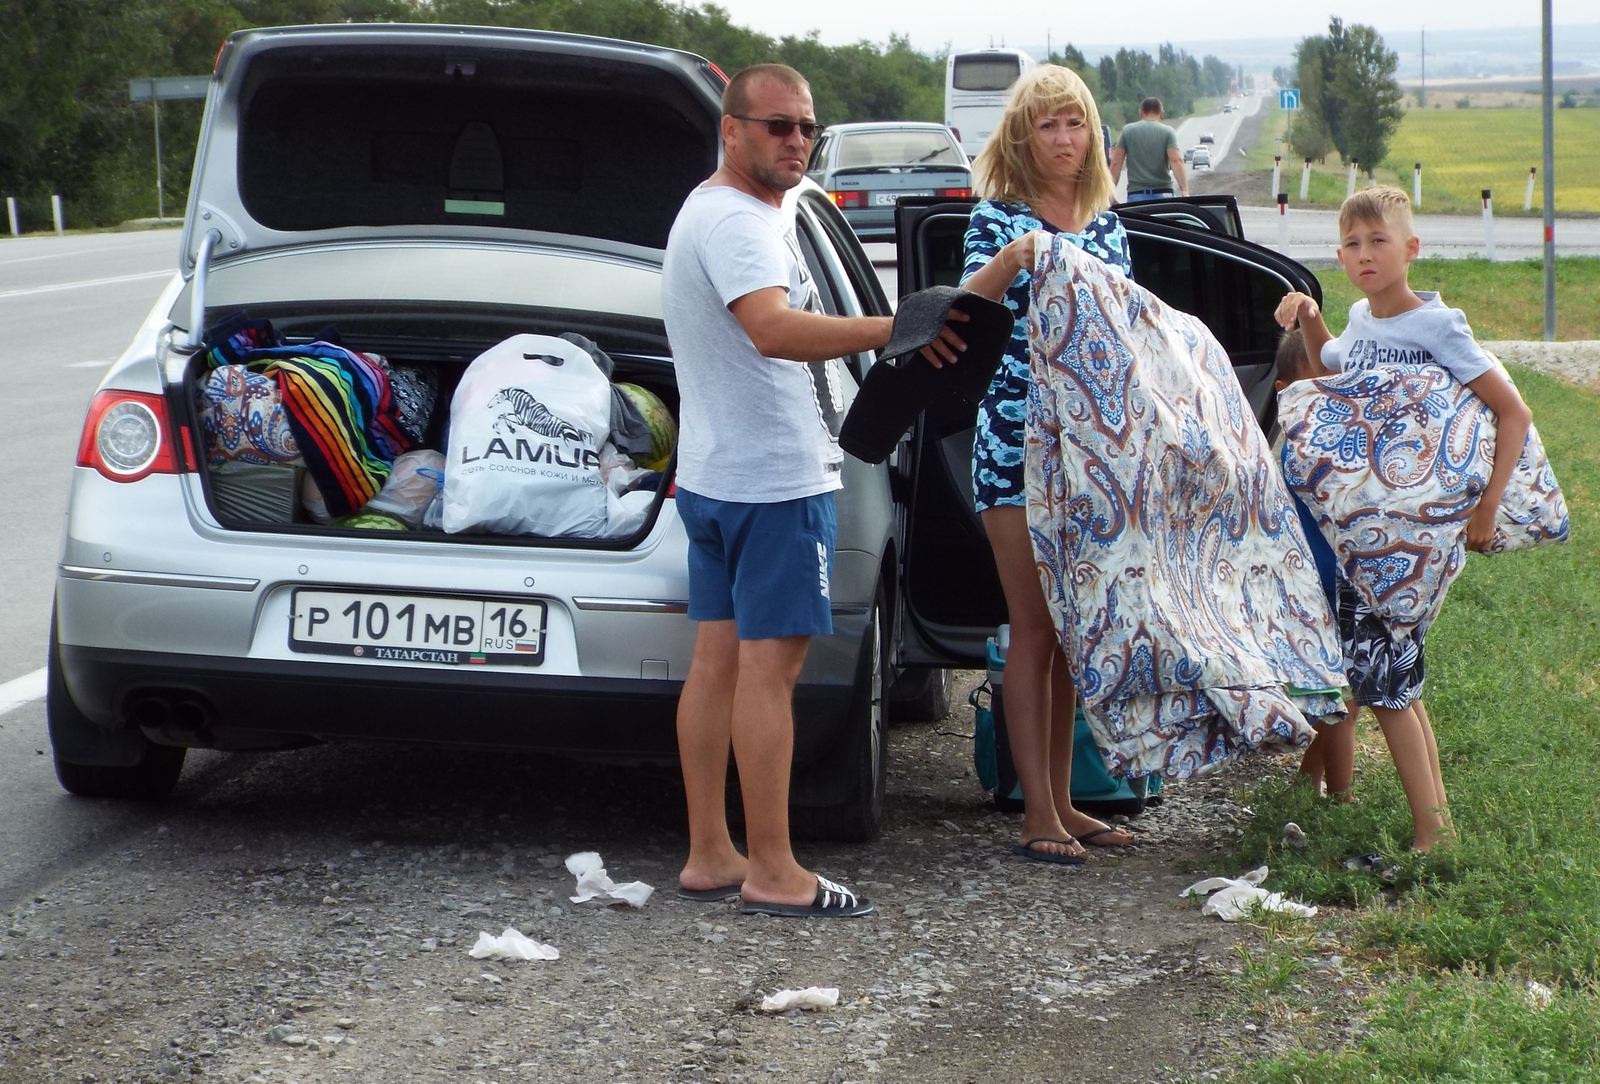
(1308, 132)
(1364, 83)
(1350, 101)
(67, 126)
(1217, 76)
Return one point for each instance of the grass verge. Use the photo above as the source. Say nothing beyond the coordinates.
(1462, 152)
(1501, 300)
(1485, 956)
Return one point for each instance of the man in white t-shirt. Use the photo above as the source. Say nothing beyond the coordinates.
(761, 401)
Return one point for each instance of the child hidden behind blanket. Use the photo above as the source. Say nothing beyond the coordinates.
(1329, 762)
(1394, 324)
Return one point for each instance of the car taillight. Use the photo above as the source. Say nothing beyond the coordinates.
(127, 435)
(849, 200)
(955, 193)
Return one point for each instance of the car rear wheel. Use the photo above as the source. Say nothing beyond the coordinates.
(921, 695)
(840, 797)
(134, 767)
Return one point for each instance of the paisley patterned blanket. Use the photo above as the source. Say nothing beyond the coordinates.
(1390, 461)
(1171, 556)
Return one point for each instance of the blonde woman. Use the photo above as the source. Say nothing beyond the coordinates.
(1043, 169)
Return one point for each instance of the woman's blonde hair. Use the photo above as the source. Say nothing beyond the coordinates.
(1005, 168)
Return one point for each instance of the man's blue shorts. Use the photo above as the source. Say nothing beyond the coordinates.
(766, 567)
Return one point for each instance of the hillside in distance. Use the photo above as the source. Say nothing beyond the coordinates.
(1451, 54)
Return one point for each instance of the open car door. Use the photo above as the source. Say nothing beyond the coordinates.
(952, 597)
(1214, 213)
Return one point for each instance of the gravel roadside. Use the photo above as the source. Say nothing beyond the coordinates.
(309, 920)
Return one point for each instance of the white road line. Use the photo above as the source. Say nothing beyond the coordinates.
(87, 364)
(86, 282)
(22, 690)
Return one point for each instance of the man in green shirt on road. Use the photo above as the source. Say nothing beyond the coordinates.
(1150, 149)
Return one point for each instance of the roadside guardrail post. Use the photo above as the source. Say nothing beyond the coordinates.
(1283, 222)
(1416, 185)
(1488, 224)
(1350, 182)
(1305, 180)
(55, 212)
(1527, 199)
(11, 215)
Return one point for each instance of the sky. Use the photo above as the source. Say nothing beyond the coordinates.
(933, 24)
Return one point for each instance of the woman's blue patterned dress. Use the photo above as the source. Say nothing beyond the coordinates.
(997, 445)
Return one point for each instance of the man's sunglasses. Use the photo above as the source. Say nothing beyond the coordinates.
(780, 128)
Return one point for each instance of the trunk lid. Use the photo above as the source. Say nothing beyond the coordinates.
(319, 134)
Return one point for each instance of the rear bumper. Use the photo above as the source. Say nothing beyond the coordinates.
(232, 703)
(874, 224)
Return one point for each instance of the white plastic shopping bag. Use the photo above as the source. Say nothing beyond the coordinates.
(527, 424)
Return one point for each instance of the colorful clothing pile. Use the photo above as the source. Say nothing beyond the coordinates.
(1173, 562)
(338, 404)
(1390, 461)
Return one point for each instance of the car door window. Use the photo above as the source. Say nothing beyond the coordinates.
(1232, 294)
(835, 247)
(819, 153)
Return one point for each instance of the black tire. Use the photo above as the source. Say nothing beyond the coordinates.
(921, 695)
(851, 783)
(141, 769)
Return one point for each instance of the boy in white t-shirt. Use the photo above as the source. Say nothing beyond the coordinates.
(1394, 324)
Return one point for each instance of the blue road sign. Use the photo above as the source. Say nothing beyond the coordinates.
(1288, 97)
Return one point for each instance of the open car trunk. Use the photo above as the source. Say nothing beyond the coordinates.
(255, 472)
(422, 193)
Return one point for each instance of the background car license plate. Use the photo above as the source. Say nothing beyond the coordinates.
(418, 628)
(886, 199)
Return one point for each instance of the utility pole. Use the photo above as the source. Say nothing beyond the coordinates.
(1549, 186)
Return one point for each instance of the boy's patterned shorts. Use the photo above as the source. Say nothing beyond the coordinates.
(1382, 672)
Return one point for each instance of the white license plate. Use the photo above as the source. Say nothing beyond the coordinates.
(418, 628)
(887, 199)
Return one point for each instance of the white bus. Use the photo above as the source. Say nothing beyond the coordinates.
(975, 86)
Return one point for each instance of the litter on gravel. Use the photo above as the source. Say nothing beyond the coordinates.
(512, 944)
(1233, 898)
(812, 997)
(595, 884)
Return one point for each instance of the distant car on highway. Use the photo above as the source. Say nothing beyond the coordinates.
(1229, 108)
(867, 167)
(1201, 157)
(1188, 154)
(1207, 137)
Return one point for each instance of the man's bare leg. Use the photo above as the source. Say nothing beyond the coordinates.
(763, 749)
(705, 731)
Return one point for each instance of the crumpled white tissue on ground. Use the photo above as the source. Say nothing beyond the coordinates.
(1233, 897)
(812, 997)
(595, 884)
(513, 944)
